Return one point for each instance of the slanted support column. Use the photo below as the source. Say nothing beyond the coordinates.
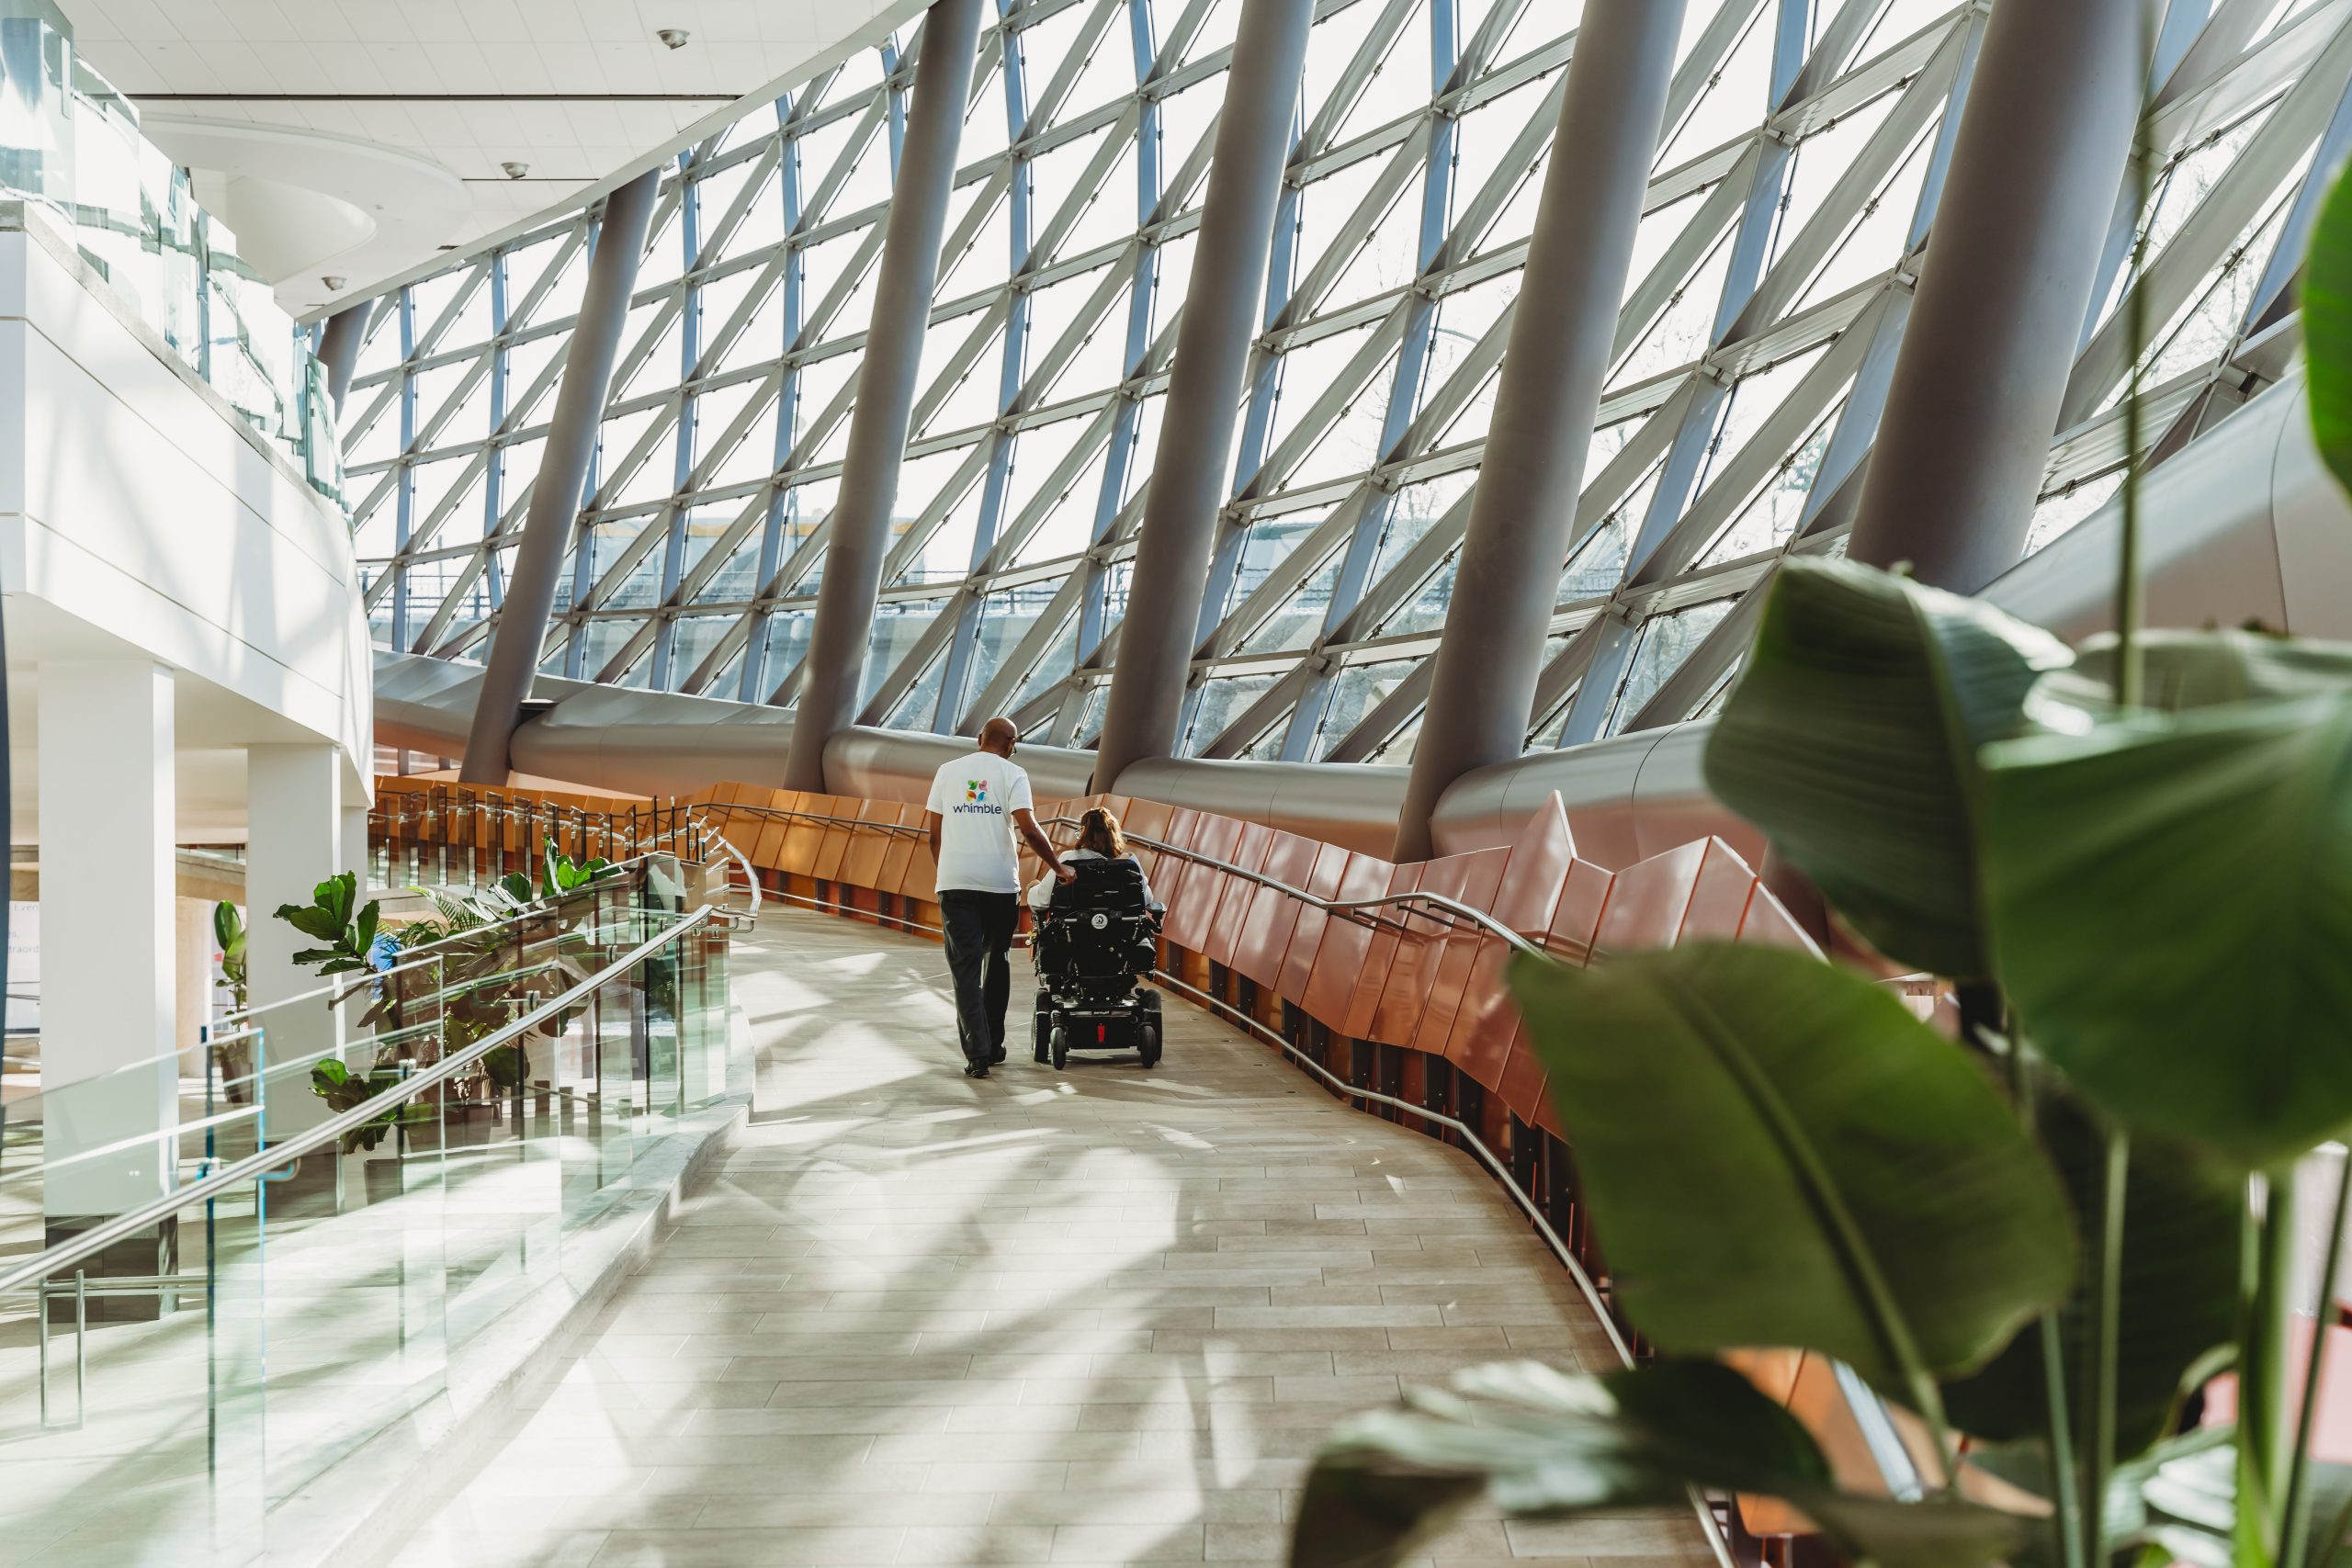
(1191, 474)
(2044, 143)
(834, 676)
(108, 997)
(339, 347)
(294, 830)
(523, 615)
(1482, 687)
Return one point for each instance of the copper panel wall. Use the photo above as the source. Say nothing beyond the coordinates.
(1719, 896)
(1330, 869)
(1649, 899)
(1457, 956)
(1248, 855)
(899, 854)
(833, 848)
(1263, 940)
(1340, 958)
(1364, 1019)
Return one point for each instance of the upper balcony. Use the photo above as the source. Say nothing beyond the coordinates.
(170, 482)
(70, 145)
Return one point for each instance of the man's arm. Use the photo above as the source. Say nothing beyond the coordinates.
(1026, 820)
(930, 823)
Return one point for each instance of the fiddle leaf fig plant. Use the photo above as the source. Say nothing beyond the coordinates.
(329, 918)
(2035, 1234)
(482, 983)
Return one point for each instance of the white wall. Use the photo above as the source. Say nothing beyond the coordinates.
(136, 501)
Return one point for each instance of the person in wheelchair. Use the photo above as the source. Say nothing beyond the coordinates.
(1092, 945)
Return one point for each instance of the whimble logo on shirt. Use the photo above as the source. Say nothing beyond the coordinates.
(976, 800)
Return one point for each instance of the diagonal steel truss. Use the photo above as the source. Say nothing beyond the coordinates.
(1790, 211)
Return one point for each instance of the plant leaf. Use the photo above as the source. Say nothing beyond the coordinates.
(311, 921)
(1851, 741)
(2172, 900)
(364, 929)
(1756, 1115)
(1550, 1444)
(2327, 331)
(335, 896)
(2183, 1222)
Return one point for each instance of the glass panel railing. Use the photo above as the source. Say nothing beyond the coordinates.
(484, 1103)
(70, 145)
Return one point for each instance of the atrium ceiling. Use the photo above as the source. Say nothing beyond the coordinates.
(1791, 209)
(407, 111)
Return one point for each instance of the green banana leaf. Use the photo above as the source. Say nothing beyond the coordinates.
(2172, 900)
(2327, 331)
(2183, 1223)
(1776, 1153)
(1548, 1444)
(1851, 740)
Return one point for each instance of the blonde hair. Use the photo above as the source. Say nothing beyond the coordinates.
(1098, 831)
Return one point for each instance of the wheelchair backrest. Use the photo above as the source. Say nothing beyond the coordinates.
(1113, 886)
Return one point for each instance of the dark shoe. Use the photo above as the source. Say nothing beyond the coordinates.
(976, 1070)
(998, 1057)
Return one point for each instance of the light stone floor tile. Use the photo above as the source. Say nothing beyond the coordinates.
(1097, 1317)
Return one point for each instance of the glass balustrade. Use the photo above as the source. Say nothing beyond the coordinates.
(71, 149)
(178, 1392)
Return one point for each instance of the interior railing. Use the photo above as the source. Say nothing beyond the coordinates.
(423, 1149)
(459, 839)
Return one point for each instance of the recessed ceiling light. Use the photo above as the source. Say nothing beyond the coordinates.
(673, 36)
(516, 171)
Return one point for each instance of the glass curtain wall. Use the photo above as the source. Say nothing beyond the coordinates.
(1789, 205)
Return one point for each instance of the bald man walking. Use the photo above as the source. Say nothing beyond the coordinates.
(976, 804)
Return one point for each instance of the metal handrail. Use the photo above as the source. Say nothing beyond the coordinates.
(1459, 912)
(751, 873)
(887, 830)
(425, 953)
(98, 1238)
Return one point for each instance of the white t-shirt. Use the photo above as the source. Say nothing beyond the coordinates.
(976, 798)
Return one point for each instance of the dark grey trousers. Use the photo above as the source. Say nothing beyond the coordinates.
(979, 936)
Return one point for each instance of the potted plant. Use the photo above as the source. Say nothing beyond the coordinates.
(472, 990)
(233, 1057)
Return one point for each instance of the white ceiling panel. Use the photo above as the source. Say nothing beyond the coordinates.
(575, 90)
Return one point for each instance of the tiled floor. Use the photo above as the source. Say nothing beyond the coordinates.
(1100, 1316)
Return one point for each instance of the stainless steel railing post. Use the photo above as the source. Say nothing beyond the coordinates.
(81, 1348)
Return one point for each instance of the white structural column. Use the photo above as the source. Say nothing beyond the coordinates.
(1191, 475)
(294, 812)
(351, 844)
(888, 376)
(107, 997)
(2044, 143)
(1523, 516)
(192, 971)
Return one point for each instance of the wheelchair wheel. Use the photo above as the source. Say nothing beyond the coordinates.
(1060, 1047)
(1148, 1046)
